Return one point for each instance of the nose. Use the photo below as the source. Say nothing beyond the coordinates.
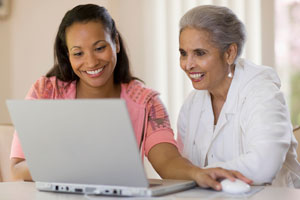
(190, 62)
(91, 60)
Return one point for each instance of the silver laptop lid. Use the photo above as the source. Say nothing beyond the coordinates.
(78, 141)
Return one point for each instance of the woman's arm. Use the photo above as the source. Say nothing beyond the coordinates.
(169, 164)
(19, 170)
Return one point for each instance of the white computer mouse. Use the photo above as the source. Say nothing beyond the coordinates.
(235, 187)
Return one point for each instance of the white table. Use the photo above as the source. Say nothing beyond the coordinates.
(27, 191)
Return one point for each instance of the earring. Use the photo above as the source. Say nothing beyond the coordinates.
(230, 73)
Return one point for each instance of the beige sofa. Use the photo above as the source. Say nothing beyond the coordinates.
(6, 134)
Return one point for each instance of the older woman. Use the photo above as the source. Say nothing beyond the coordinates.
(237, 117)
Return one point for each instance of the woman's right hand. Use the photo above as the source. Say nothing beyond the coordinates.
(19, 170)
(210, 177)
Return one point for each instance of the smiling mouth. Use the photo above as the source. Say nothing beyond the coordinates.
(197, 76)
(95, 71)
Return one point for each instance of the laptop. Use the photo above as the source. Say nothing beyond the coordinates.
(84, 146)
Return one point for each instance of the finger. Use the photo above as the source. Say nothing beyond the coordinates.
(213, 176)
(242, 177)
(222, 173)
(216, 186)
(206, 181)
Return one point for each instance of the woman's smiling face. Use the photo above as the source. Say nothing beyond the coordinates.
(201, 60)
(92, 53)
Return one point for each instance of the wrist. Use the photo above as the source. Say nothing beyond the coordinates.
(194, 172)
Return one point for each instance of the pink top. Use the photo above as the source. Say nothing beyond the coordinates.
(147, 113)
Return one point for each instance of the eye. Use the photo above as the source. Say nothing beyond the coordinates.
(199, 52)
(78, 54)
(182, 52)
(100, 48)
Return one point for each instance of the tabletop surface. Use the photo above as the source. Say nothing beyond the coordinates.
(27, 191)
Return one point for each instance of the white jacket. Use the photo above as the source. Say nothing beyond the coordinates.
(253, 134)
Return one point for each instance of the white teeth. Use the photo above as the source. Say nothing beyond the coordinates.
(95, 71)
(196, 76)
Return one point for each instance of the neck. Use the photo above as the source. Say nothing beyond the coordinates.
(109, 90)
(219, 93)
(218, 97)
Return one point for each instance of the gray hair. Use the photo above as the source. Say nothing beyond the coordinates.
(222, 24)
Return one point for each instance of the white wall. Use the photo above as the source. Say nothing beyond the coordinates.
(5, 68)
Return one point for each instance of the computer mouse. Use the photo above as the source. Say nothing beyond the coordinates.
(235, 187)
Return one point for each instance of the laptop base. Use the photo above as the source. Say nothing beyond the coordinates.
(161, 187)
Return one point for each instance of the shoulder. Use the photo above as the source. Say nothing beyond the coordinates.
(256, 78)
(137, 92)
(259, 91)
(251, 72)
(48, 87)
